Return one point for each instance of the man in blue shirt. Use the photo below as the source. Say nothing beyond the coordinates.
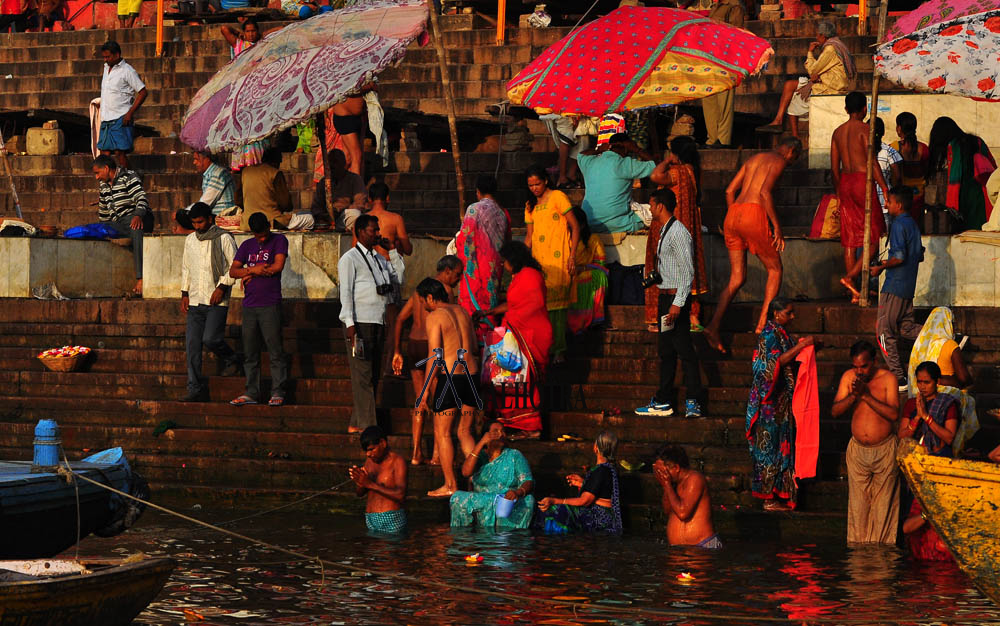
(895, 307)
(608, 173)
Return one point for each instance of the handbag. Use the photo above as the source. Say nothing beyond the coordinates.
(826, 222)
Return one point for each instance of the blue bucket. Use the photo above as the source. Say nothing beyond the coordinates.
(47, 444)
(504, 507)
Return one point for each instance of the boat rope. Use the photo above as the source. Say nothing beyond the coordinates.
(285, 506)
(76, 488)
(493, 593)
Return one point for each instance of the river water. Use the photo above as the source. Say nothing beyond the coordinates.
(633, 580)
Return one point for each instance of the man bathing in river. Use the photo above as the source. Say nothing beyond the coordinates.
(685, 500)
(383, 479)
(746, 228)
(873, 480)
(449, 328)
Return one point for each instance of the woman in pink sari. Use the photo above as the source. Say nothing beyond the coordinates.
(485, 229)
(526, 316)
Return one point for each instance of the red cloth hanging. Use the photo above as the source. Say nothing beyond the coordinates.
(805, 408)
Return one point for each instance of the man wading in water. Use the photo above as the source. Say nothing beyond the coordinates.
(383, 478)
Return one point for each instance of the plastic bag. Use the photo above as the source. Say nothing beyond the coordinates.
(100, 230)
(503, 360)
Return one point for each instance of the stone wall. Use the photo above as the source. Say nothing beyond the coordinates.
(826, 113)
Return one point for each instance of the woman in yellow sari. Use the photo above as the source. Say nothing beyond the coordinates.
(553, 234)
(936, 343)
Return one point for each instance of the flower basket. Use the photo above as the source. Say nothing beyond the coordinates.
(64, 359)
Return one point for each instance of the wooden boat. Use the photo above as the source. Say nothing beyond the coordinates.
(71, 593)
(961, 499)
(42, 505)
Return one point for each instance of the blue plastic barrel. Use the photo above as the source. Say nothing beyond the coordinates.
(46, 444)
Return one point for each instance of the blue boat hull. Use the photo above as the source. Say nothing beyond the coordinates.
(39, 510)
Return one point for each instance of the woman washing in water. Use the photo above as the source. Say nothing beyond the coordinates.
(494, 470)
(598, 508)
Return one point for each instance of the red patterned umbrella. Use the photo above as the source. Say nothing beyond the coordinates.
(637, 57)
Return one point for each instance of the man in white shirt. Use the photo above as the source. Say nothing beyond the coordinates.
(205, 289)
(366, 284)
(122, 93)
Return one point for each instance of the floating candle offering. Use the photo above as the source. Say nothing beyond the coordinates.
(474, 558)
(684, 577)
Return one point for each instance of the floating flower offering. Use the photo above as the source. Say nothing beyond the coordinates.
(685, 577)
(474, 558)
(65, 351)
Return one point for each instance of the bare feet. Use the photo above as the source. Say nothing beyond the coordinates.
(435, 460)
(441, 492)
(352, 429)
(417, 460)
(712, 337)
(848, 285)
(776, 505)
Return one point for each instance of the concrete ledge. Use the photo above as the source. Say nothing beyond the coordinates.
(100, 269)
(79, 269)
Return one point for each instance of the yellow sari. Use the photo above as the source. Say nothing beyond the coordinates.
(550, 240)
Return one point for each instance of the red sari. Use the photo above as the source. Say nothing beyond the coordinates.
(529, 319)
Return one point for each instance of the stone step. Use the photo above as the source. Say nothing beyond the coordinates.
(91, 83)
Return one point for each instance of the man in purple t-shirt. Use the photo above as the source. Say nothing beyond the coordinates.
(258, 264)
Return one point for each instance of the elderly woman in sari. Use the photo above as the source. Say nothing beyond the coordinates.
(598, 507)
(485, 229)
(936, 344)
(932, 417)
(494, 470)
(590, 283)
(770, 426)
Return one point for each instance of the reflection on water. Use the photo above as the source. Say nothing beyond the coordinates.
(224, 581)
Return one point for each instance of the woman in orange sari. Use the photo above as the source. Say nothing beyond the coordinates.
(524, 314)
(684, 174)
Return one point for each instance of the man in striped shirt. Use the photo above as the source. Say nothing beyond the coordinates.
(123, 206)
(675, 265)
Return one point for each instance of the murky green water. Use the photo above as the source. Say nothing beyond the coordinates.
(224, 581)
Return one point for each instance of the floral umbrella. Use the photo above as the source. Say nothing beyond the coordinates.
(638, 57)
(935, 12)
(960, 57)
(299, 71)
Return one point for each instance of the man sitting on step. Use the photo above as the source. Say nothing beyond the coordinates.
(205, 287)
(265, 190)
(218, 190)
(123, 206)
(349, 195)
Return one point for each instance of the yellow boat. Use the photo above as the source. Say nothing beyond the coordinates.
(961, 499)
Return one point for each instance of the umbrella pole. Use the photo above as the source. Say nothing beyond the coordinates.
(869, 170)
(10, 177)
(450, 100)
(321, 133)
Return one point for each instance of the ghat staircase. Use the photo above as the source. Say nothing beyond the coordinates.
(55, 75)
(217, 453)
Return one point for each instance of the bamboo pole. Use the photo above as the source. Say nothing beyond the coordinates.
(450, 101)
(10, 177)
(327, 173)
(159, 28)
(869, 170)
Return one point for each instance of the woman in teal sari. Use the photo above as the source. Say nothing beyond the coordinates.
(494, 470)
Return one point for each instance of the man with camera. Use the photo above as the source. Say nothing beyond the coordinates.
(672, 274)
(366, 283)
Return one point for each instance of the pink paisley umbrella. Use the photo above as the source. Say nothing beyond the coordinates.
(960, 57)
(935, 12)
(299, 71)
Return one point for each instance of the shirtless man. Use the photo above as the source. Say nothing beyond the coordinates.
(449, 272)
(849, 161)
(746, 227)
(873, 480)
(349, 123)
(450, 329)
(685, 500)
(383, 479)
(391, 227)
